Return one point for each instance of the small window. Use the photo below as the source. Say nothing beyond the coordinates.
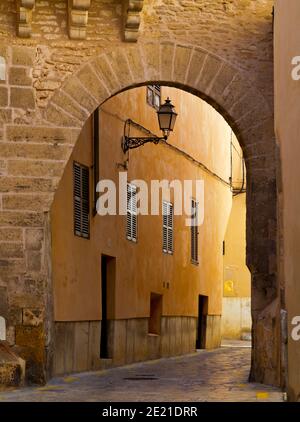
(153, 96)
(168, 227)
(131, 224)
(81, 200)
(194, 232)
(155, 314)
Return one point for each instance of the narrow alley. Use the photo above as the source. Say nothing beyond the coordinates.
(205, 376)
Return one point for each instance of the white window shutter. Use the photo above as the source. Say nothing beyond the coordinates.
(168, 228)
(131, 222)
(194, 232)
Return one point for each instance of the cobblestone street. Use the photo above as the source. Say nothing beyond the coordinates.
(219, 375)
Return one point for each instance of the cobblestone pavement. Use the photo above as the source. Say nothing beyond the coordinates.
(219, 375)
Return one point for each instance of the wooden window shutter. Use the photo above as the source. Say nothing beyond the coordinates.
(168, 227)
(194, 232)
(81, 200)
(131, 223)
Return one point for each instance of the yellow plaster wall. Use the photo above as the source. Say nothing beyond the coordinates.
(142, 268)
(237, 277)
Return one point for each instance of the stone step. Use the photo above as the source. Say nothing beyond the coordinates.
(12, 367)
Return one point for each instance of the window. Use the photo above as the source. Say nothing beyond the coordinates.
(95, 158)
(153, 96)
(194, 232)
(155, 314)
(168, 227)
(131, 224)
(81, 200)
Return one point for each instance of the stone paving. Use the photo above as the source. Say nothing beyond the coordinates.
(205, 376)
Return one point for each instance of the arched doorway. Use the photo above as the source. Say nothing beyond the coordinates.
(246, 110)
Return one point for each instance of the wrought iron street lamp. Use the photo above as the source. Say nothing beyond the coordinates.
(166, 119)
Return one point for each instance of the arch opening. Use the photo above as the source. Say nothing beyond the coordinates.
(121, 111)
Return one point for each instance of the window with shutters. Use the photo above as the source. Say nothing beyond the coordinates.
(153, 96)
(194, 233)
(131, 224)
(81, 200)
(168, 227)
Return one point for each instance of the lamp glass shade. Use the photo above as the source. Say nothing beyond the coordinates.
(167, 116)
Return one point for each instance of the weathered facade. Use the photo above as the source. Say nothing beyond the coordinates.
(53, 83)
(199, 149)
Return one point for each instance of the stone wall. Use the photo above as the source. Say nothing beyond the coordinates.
(53, 84)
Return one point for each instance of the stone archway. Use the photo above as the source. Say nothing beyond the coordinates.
(251, 117)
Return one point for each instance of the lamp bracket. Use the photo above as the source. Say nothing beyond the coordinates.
(136, 142)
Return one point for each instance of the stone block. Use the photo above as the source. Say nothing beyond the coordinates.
(11, 234)
(224, 78)
(19, 76)
(172, 334)
(11, 250)
(33, 239)
(3, 302)
(33, 317)
(35, 202)
(70, 105)
(59, 118)
(178, 335)
(165, 337)
(151, 57)
(211, 67)
(31, 346)
(26, 184)
(140, 342)
(73, 88)
(94, 345)
(81, 346)
(93, 84)
(195, 68)
(23, 56)
(153, 346)
(22, 98)
(59, 349)
(42, 134)
(35, 169)
(167, 51)
(19, 219)
(5, 116)
(69, 347)
(3, 96)
(136, 65)
(35, 151)
(120, 66)
(33, 260)
(130, 335)
(120, 342)
(181, 63)
(105, 73)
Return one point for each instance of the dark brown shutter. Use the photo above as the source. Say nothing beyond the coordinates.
(81, 200)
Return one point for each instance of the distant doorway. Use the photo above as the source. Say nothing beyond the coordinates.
(202, 320)
(108, 275)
